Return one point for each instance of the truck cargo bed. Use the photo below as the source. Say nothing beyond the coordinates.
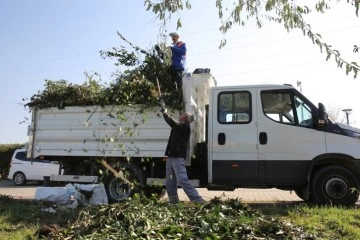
(96, 131)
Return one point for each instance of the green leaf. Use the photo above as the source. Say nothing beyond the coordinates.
(178, 24)
(205, 225)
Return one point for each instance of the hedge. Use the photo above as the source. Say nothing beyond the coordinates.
(6, 152)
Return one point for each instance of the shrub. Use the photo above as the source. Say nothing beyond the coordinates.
(6, 152)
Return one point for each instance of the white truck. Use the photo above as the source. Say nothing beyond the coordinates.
(258, 136)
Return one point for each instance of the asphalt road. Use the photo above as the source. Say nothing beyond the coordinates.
(247, 195)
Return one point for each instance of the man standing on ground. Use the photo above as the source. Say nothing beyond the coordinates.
(176, 151)
(178, 58)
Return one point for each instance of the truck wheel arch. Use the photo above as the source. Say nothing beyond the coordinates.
(330, 159)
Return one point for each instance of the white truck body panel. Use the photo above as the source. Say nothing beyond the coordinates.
(336, 143)
(90, 131)
(95, 131)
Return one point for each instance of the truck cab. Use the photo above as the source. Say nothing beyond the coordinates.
(273, 136)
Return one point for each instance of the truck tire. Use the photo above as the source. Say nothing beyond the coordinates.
(19, 179)
(117, 190)
(335, 185)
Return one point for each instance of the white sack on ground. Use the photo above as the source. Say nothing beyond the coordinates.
(56, 195)
(70, 195)
(97, 197)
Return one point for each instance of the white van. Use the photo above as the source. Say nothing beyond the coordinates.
(23, 169)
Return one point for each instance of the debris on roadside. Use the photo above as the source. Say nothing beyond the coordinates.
(71, 196)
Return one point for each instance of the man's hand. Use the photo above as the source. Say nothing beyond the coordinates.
(163, 110)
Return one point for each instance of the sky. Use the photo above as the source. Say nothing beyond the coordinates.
(61, 39)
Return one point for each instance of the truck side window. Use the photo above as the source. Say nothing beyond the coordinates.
(234, 107)
(278, 107)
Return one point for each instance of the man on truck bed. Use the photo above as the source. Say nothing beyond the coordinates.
(178, 58)
(176, 151)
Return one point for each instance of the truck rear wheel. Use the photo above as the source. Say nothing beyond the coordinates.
(335, 185)
(118, 190)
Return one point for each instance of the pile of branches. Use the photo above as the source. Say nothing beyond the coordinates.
(145, 218)
(136, 85)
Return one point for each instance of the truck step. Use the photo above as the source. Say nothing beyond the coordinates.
(74, 178)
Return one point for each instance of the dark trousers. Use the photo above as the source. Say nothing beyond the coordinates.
(176, 175)
(177, 76)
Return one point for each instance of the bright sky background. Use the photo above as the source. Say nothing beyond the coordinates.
(61, 39)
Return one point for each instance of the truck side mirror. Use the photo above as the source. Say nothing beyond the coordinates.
(321, 121)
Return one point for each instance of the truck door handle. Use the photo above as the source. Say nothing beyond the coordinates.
(263, 138)
(221, 138)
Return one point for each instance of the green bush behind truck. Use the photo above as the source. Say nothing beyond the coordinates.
(6, 152)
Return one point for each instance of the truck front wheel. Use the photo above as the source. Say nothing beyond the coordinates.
(118, 190)
(335, 185)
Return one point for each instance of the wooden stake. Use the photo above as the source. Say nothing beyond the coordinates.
(117, 174)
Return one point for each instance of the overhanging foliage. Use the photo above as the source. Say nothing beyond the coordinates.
(286, 12)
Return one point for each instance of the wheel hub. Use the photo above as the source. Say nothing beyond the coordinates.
(19, 179)
(119, 189)
(336, 188)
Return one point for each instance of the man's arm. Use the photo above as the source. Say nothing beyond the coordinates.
(160, 52)
(179, 48)
(169, 120)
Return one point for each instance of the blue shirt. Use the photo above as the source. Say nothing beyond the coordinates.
(178, 56)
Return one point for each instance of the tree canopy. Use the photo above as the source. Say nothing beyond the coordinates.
(289, 13)
(138, 83)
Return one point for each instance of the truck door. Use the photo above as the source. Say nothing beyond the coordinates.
(233, 137)
(288, 137)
